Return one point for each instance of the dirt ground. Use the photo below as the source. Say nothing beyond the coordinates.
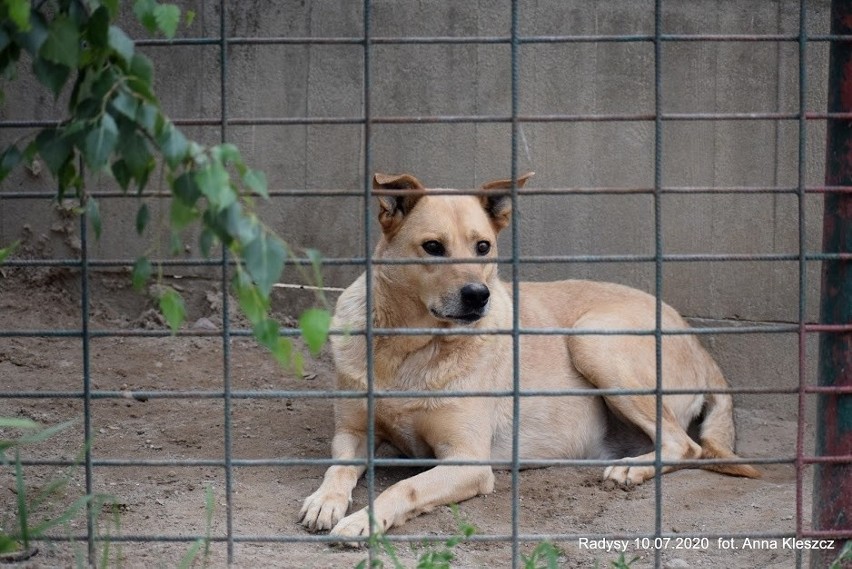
(171, 500)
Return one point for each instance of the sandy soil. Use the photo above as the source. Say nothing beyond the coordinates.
(170, 500)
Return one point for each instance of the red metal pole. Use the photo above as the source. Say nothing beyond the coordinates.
(833, 481)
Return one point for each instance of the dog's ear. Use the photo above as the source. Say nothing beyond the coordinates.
(497, 199)
(393, 207)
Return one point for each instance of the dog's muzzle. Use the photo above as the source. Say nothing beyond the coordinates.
(470, 305)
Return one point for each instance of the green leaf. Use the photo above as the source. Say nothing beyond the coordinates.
(8, 58)
(121, 173)
(44, 434)
(142, 217)
(142, 68)
(206, 241)
(19, 13)
(175, 243)
(214, 183)
(298, 364)
(52, 75)
(252, 303)
(173, 144)
(54, 149)
(241, 227)
(100, 142)
(144, 10)
(121, 43)
(151, 119)
(141, 76)
(33, 39)
(173, 308)
(314, 324)
(77, 506)
(185, 189)
(255, 180)
(189, 17)
(63, 42)
(188, 560)
(226, 153)
(93, 213)
(16, 423)
(8, 250)
(316, 264)
(126, 104)
(283, 352)
(69, 178)
(181, 215)
(141, 272)
(112, 5)
(134, 149)
(10, 158)
(264, 259)
(97, 28)
(213, 222)
(266, 332)
(21, 493)
(8, 544)
(167, 17)
(103, 82)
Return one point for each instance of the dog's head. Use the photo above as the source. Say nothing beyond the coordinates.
(417, 224)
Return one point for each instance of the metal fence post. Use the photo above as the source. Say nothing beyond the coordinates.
(833, 481)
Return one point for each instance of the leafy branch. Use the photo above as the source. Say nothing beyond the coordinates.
(115, 127)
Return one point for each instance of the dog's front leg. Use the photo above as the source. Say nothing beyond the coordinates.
(416, 495)
(325, 507)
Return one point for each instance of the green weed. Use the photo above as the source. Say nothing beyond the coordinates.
(544, 556)
(201, 544)
(843, 557)
(431, 556)
(620, 563)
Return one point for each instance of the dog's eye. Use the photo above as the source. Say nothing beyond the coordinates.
(434, 248)
(483, 247)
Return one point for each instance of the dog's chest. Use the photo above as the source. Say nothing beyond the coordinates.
(396, 422)
(436, 365)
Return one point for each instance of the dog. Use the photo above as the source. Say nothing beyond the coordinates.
(418, 224)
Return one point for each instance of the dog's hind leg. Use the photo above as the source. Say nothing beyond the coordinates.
(675, 444)
(628, 362)
(717, 429)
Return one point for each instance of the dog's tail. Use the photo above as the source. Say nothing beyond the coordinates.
(717, 429)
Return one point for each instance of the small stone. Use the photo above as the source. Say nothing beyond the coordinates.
(676, 564)
(203, 324)
(34, 168)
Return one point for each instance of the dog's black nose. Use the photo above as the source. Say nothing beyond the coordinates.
(475, 295)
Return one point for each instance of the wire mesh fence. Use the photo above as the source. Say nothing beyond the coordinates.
(511, 263)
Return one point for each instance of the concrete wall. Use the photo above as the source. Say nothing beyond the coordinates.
(588, 78)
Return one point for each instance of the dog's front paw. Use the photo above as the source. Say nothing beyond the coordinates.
(323, 509)
(354, 525)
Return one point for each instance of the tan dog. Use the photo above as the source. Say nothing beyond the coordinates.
(417, 224)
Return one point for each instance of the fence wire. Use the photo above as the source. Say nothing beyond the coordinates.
(367, 119)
